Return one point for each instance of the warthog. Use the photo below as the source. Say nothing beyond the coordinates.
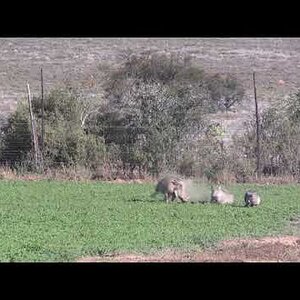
(172, 187)
(252, 199)
(221, 196)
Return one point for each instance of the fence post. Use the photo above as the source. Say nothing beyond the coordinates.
(43, 117)
(33, 127)
(258, 169)
(43, 109)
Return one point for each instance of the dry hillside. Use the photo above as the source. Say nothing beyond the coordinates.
(276, 61)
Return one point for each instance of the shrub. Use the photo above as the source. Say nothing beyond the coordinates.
(155, 118)
(66, 142)
(154, 102)
(280, 145)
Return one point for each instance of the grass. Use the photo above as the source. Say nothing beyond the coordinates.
(60, 221)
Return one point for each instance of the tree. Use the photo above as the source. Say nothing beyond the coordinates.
(66, 142)
(280, 145)
(16, 136)
(155, 101)
(225, 91)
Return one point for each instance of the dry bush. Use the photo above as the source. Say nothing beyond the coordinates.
(70, 173)
(119, 171)
(279, 143)
(225, 177)
(286, 179)
(107, 172)
(187, 167)
(7, 173)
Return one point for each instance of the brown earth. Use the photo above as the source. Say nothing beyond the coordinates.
(267, 249)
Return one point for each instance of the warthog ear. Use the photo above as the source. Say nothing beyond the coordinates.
(175, 182)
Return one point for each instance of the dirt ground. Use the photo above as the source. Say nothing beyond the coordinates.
(268, 249)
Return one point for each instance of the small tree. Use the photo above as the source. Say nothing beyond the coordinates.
(16, 137)
(280, 145)
(154, 102)
(225, 91)
(66, 143)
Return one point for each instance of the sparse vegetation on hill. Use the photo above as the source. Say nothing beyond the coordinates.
(275, 61)
(280, 144)
(153, 119)
(159, 108)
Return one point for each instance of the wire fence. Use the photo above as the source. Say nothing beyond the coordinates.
(232, 122)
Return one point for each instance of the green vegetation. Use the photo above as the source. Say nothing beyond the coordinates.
(153, 115)
(280, 144)
(61, 221)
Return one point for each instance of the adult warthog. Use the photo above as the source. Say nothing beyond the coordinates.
(252, 199)
(172, 187)
(221, 196)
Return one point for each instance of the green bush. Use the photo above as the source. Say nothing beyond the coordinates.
(154, 102)
(16, 140)
(65, 144)
(280, 144)
(155, 118)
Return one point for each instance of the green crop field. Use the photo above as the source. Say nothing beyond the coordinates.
(61, 221)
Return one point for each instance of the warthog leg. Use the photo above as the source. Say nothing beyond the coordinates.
(167, 197)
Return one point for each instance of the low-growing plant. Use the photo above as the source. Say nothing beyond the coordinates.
(64, 220)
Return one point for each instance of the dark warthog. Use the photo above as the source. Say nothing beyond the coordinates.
(172, 187)
(221, 196)
(251, 199)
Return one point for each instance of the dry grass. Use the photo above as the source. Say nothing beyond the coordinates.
(224, 177)
(117, 175)
(288, 179)
(268, 249)
(275, 60)
(76, 174)
(7, 173)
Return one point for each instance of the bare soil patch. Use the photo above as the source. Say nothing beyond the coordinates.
(267, 249)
